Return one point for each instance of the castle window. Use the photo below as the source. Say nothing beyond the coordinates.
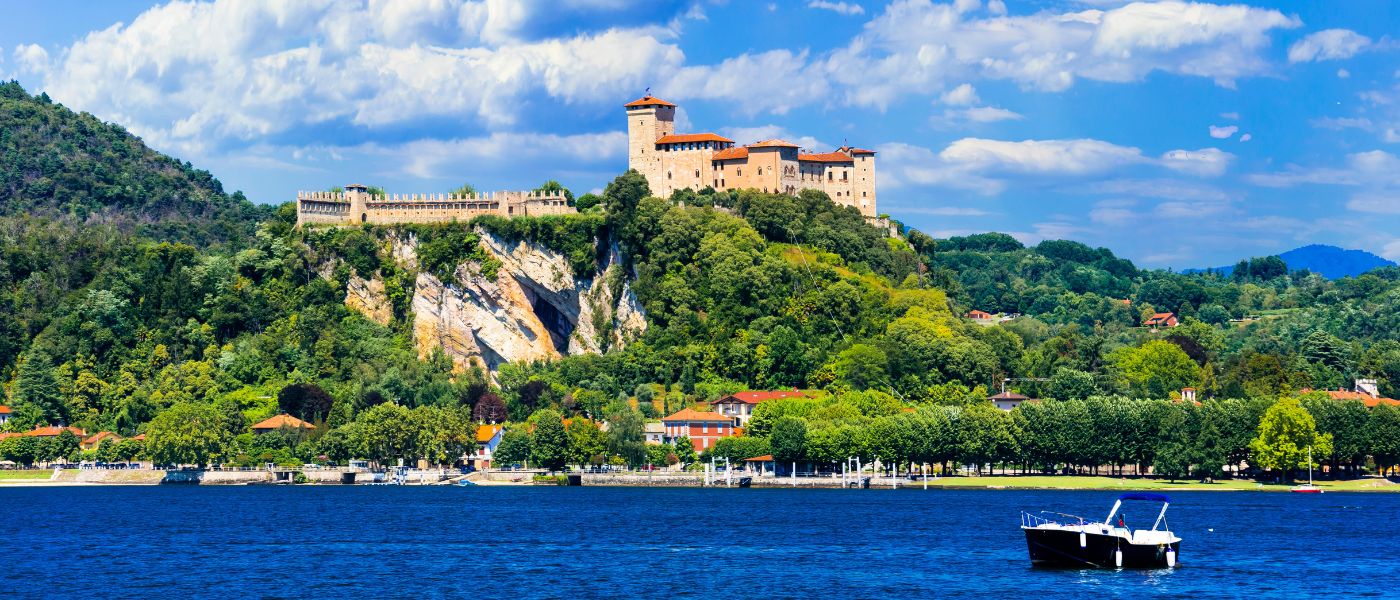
(862, 194)
(760, 171)
(697, 173)
(739, 171)
(668, 174)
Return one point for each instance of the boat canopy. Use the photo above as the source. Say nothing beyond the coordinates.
(1145, 496)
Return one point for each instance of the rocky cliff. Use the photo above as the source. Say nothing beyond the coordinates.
(533, 309)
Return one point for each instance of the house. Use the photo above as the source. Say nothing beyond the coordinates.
(762, 464)
(655, 433)
(740, 404)
(703, 428)
(280, 421)
(977, 315)
(5, 413)
(1008, 400)
(1165, 319)
(487, 438)
(1364, 390)
(95, 441)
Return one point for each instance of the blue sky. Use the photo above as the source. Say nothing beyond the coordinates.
(1178, 134)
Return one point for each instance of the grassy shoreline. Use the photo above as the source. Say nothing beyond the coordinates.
(1091, 482)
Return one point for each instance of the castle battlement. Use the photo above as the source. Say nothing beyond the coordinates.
(357, 205)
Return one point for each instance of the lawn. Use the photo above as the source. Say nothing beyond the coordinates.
(1087, 482)
(26, 474)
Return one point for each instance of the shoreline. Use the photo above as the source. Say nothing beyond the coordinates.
(75, 478)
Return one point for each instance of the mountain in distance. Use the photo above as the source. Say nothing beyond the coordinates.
(1328, 261)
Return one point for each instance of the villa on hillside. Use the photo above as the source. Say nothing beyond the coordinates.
(703, 428)
(5, 413)
(1364, 390)
(740, 405)
(1161, 320)
(279, 422)
(1009, 400)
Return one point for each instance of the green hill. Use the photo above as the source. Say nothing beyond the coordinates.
(55, 162)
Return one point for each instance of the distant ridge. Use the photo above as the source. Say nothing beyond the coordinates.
(1328, 261)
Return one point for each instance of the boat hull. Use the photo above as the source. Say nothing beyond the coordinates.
(1061, 548)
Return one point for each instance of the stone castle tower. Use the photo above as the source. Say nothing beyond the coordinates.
(648, 120)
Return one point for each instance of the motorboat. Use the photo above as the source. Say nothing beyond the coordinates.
(1057, 539)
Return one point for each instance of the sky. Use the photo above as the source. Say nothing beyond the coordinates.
(1177, 134)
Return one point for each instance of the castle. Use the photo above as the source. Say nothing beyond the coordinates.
(357, 205)
(672, 161)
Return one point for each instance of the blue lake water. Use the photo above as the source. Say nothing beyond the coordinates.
(429, 542)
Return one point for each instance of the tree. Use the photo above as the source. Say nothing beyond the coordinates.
(489, 409)
(685, 450)
(37, 387)
(550, 447)
(861, 366)
(1157, 368)
(65, 444)
(789, 440)
(306, 401)
(627, 438)
(388, 431)
(1286, 433)
(552, 186)
(586, 442)
(1384, 425)
(513, 449)
(1071, 384)
(465, 189)
(187, 433)
(984, 435)
(588, 201)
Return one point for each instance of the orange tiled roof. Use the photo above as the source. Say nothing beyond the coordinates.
(764, 458)
(830, 157)
(140, 438)
(8, 435)
(681, 138)
(53, 430)
(281, 421)
(978, 314)
(1008, 396)
(5, 410)
(690, 414)
(647, 100)
(854, 150)
(1160, 318)
(732, 153)
(484, 433)
(754, 397)
(1367, 399)
(773, 143)
(99, 436)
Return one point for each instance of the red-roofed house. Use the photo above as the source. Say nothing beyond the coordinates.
(53, 431)
(1165, 319)
(487, 438)
(5, 413)
(1365, 391)
(279, 422)
(703, 428)
(92, 442)
(978, 315)
(740, 404)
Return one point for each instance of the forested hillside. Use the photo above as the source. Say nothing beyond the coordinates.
(119, 316)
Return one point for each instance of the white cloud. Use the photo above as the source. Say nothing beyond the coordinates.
(963, 95)
(1246, 137)
(1377, 203)
(845, 8)
(1233, 116)
(1222, 133)
(1206, 162)
(1343, 74)
(1328, 44)
(1392, 250)
(996, 7)
(976, 114)
(277, 67)
(1339, 123)
(32, 58)
(1375, 168)
(917, 44)
(966, 6)
(1070, 157)
(944, 211)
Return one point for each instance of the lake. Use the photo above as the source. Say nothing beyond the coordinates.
(532, 542)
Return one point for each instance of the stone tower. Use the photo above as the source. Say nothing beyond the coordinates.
(648, 119)
(358, 195)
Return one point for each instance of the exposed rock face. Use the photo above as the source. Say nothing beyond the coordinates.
(583, 315)
(535, 309)
(367, 296)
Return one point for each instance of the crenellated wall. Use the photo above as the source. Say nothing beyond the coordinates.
(356, 205)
